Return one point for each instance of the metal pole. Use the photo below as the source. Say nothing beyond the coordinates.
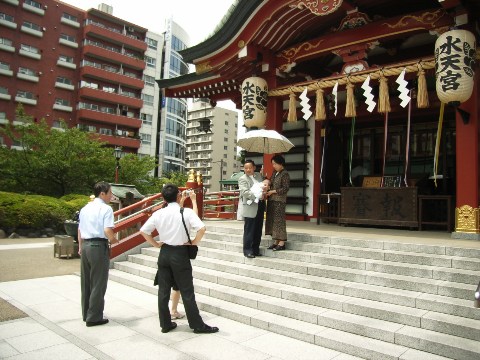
(116, 171)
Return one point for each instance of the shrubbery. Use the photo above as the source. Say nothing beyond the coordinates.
(18, 211)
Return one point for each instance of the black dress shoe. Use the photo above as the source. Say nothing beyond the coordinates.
(97, 323)
(271, 247)
(167, 329)
(250, 256)
(258, 254)
(206, 330)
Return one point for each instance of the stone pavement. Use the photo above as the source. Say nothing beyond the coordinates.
(40, 318)
(54, 329)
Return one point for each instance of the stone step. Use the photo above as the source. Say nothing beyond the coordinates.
(410, 254)
(415, 299)
(356, 345)
(239, 289)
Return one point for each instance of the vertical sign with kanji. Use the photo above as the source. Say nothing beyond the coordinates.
(454, 64)
(254, 102)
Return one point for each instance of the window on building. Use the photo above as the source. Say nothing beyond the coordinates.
(33, 3)
(176, 107)
(6, 42)
(225, 148)
(149, 80)
(225, 139)
(6, 17)
(152, 44)
(224, 156)
(178, 65)
(69, 17)
(25, 94)
(146, 138)
(29, 48)
(147, 99)
(3, 115)
(4, 65)
(105, 131)
(66, 58)
(67, 37)
(151, 62)
(3, 90)
(27, 71)
(32, 26)
(177, 44)
(64, 80)
(63, 102)
(226, 131)
(108, 88)
(146, 119)
(58, 124)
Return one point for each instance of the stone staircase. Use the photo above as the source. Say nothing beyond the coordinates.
(374, 299)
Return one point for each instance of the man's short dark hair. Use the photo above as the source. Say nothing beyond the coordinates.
(100, 187)
(170, 192)
(249, 161)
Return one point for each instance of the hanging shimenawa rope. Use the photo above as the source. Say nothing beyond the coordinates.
(422, 91)
(320, 113)
(350, 151)
(292, 108)
(394, 70)
(437, 143)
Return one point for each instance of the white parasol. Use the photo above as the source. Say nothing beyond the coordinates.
(264, 141)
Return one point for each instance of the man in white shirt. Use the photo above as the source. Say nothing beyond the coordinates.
(173, 261)
(95, 231)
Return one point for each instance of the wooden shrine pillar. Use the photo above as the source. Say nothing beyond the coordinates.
(467, 210)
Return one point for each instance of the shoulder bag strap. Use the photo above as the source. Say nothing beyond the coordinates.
(185, 226)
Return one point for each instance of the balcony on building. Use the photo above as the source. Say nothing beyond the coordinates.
(30, 52)
(122, 141)
(7, 45)
(7, 21)
(62, 85)
(11, 2)
(25, 100)
(4, 95)
(124, 36)
(70, 20)
(28, 75)
(33, 7)
(135, 62)
(62, 107)
(94, 113)
(110, 97)
(115, 75)
(66, 63)
(68, 43)
(32, 29)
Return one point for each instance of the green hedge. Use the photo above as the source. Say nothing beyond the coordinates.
(19, 211)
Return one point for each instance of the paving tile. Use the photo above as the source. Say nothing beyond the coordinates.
(284, 347)
(140, 346)
(35, 341)
(213, 347)
(122, 311)
(6, 350)
(61, 351)
(19, 327)
(59, 311)
(236, 332)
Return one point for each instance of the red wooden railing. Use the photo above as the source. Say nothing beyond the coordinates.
(220, 205)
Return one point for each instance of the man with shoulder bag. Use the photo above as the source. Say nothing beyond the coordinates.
(174, 264)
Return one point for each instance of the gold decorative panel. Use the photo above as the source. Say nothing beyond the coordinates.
(467, 219)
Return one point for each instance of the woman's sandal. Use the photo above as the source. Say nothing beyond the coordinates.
(177, 315)
(278, 247)
(271, 247)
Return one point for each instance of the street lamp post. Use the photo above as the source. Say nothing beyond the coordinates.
(221, 171)
(118, 154)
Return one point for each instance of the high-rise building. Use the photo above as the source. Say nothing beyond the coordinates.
(212, 143)
(96, 72)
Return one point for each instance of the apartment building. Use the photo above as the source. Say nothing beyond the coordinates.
(212, 143)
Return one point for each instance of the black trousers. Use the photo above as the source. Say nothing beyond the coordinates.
(252, 231)
(174, 267)
(94, 265)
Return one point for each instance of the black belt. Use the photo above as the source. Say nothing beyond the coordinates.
(96, 239)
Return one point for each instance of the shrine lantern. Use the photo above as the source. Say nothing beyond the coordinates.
(254, 102)
(454, 64)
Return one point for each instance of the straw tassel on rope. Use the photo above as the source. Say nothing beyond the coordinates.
(350, 111)
(383, 97)
(292, 108)
(422, 91)
(320, 106)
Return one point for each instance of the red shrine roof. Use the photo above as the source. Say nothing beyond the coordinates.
(305, 39)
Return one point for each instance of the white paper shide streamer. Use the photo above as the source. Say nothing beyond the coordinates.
(335, 96)
(402, 88)
(305, 105)
(367, 92)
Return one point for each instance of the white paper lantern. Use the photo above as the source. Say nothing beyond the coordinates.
(254, 102)
(454, 64)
